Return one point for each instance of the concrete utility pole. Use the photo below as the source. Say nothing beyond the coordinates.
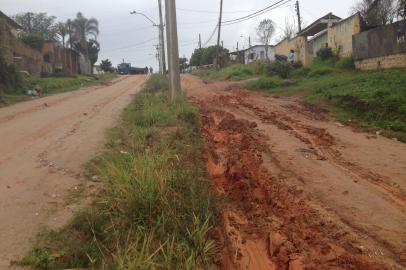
(298, 16)
(173, 49)
(249, 41)
(219, 35)
(200, 41)
(162, 39)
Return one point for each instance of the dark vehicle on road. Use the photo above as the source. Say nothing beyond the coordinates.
(126, 69)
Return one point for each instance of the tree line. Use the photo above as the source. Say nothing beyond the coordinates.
(79, 33)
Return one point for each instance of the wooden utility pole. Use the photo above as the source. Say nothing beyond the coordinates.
(162, 58)
(173, 49)
(219, 35)
(200, 41)
(299, 19)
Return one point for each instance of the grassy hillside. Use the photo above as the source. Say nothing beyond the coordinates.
(155, 211)
(51, 85)
(372, 99)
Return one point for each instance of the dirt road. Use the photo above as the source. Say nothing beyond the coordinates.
(43, 145)
(303, 191)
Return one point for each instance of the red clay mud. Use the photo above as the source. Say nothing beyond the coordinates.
(297, 195)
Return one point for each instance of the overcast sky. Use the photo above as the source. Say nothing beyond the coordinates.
(131, 37)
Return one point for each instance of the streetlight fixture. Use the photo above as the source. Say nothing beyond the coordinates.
(142, 14)
(160, 26)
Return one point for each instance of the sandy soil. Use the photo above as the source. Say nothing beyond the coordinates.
(43, 145)
(302, 191)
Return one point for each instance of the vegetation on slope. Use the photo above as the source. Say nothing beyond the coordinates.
(155, 211)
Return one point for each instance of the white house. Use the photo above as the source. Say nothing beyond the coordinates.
(258, 52)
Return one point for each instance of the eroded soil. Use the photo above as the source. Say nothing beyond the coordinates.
(301, 190)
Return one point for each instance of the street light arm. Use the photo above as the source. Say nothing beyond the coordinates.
(148, 18)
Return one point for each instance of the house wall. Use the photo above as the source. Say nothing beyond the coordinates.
(14, 51)
(319, 43)
(58, 59)
(256, 51)
(301, 47)
(340, 35)
(390, 61)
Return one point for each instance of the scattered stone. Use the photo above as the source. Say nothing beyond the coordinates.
(53, 196)
(378, 132)
(95, 178)
(84, 114)
(395, 139)
(339, 124)
(8, 187)
(124, 152)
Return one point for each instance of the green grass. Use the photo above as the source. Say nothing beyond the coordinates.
(52, 85)
(156, 210)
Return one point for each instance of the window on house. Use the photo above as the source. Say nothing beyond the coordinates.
(262, 55)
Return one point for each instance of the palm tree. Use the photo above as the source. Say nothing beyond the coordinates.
(62, 31)
(83, 30)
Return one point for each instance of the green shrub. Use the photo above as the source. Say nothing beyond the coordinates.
(263, 83)
(345, 63)
(325, 54)
(282, 69)
(33, 40)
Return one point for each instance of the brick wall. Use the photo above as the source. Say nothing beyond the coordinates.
(14, 51)
(391, 61)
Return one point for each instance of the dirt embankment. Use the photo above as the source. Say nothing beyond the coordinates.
(302, 191)
(43, 145)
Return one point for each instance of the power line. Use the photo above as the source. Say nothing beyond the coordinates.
(214, 12)
(211, 36)
(134, 45)
(278, 4)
